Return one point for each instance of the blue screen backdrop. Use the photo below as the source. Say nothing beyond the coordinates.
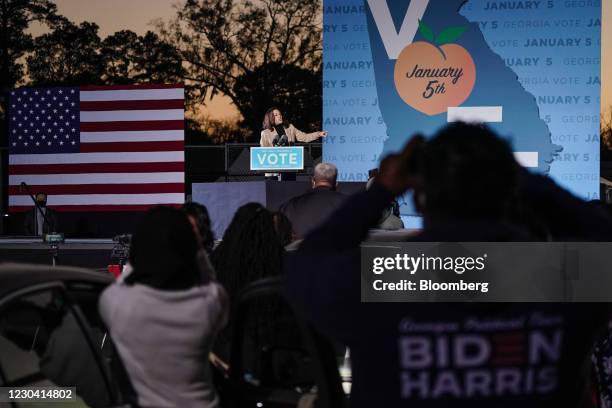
(537, 61)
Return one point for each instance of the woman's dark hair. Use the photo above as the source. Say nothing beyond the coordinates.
(283, 227)
(250, 249)
(163, 251)
(200, 213)
(268, 121)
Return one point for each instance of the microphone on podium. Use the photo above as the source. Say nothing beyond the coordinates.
(281, 137)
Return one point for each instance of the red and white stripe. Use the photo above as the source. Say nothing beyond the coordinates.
(131, 156)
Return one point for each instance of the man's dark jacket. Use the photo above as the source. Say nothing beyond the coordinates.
(311, 209)
(29, 222)
(402, 357)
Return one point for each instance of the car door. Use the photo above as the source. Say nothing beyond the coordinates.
(85, 296)
(46, 341)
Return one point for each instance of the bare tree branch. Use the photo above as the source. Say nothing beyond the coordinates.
(256, 53)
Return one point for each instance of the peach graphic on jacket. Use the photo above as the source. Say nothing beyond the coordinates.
(431, 76)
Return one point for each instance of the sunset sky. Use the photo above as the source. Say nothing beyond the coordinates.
(137, 15)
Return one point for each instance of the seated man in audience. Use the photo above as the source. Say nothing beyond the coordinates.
(468, 186)
(309, 210)
(34, 222)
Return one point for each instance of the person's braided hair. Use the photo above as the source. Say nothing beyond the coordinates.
(250, 249)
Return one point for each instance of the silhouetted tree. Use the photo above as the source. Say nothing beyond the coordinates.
(257, 53)
(194, 133)
(157, 61)
(219, 131)
(118, 53)
(129, 58)
(15, 42)
(295, 91)
(68, 55)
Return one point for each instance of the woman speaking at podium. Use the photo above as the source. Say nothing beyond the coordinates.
(275, 133)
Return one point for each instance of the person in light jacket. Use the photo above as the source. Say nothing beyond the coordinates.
(275, 132)
(164, 315)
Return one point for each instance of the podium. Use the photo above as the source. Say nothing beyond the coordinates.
(241, 167)
(283, 161)
(246, 165)
(274, 159)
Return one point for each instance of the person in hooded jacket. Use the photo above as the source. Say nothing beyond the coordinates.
(164, 315)
(469, 188)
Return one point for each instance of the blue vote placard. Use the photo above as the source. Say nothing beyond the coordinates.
(277, 158)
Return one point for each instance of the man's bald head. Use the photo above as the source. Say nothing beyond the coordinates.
(325, 174)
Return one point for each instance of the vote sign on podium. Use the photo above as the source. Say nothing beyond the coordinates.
(277, 158)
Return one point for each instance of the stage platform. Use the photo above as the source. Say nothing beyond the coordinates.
(223, 199)
(88, 253)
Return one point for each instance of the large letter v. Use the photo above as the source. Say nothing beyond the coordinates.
(395, 42)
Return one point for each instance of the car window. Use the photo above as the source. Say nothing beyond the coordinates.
(42, 343)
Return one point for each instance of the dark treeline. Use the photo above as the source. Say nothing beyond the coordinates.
(258, 55)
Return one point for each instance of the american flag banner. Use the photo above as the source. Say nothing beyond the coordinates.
(105, 148)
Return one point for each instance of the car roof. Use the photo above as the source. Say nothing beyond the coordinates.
(14, 276)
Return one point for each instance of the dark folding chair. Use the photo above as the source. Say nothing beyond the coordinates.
(322, 365)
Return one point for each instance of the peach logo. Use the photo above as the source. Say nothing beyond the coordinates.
(431, 76)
